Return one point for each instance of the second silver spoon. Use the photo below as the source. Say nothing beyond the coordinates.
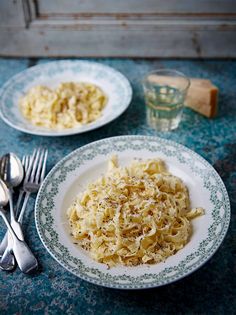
(24, 257)
(12, 173)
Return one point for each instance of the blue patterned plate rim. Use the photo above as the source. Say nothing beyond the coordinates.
(199, 167)
(19, 84)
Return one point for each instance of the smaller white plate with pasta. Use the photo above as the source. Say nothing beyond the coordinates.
(64, 97)
(131, 236)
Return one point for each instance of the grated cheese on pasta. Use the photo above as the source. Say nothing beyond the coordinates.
(133, 215)
(70, 105)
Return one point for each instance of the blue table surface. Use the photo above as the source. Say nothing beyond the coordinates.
(209, 290)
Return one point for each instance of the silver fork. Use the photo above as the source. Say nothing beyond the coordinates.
(33, 178)
(26, 164)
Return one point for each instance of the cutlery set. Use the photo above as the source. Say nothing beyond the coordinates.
(28, 175)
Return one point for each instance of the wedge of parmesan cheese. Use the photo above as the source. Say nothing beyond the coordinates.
(202, 95)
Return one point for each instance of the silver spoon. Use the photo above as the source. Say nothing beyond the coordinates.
(24, 257)
(12, 173)
(11, 170)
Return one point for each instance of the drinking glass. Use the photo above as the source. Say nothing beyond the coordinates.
(165, 92)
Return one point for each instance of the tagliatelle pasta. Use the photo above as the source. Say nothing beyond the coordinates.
(139, 214)
(69, 105)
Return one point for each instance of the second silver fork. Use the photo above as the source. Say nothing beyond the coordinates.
(34, 179)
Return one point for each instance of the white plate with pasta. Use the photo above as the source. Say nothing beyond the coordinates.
(64, 97)
(132, 226)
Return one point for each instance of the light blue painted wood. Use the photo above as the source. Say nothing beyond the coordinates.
(76, 42)
(134, 28)
(104, 7)
(12, 13)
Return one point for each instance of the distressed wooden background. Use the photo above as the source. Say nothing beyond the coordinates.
(118, 28)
